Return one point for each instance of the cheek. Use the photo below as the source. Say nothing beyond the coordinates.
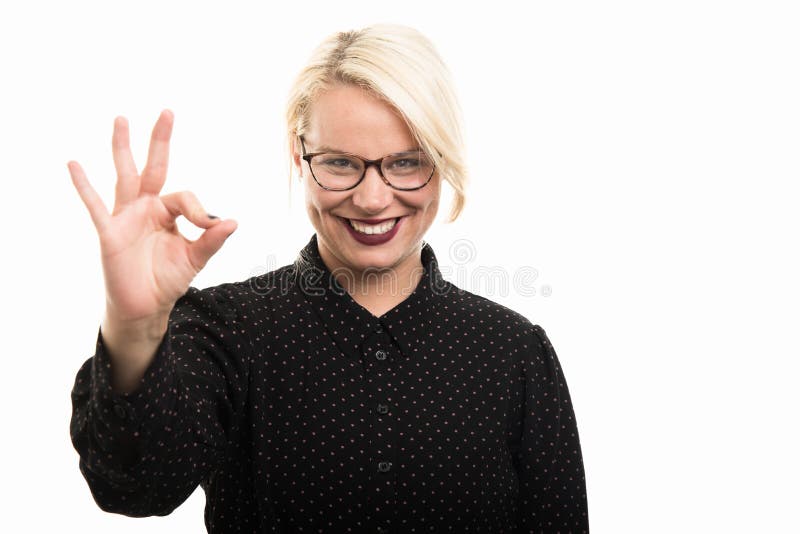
(435, 191)
(312, 203)
(317, 202)
(433, 208)
(432, 202)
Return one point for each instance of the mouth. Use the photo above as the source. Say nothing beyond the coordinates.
(371, 226)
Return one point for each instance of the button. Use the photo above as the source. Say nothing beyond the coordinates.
(120, 411)
(382, 408)
(379, 330)
(383, 467)
(380, 354)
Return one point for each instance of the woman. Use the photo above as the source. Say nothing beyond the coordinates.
(352, 391)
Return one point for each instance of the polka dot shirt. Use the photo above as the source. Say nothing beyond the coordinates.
(297, 410)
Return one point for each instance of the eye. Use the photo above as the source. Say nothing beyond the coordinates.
(405, 163)
(338, 162)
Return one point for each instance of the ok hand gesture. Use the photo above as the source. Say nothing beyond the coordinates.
(147, 263)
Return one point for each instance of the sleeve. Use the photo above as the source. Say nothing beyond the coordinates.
(549, 463)
(143, 453)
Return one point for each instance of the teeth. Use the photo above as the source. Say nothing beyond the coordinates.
(373, 228)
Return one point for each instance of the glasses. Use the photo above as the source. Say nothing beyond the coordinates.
(340, 171)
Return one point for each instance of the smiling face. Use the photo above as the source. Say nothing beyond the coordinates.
(346, 118)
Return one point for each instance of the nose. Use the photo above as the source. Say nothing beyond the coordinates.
(372, 195)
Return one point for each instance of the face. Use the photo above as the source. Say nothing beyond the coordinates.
(346, 118)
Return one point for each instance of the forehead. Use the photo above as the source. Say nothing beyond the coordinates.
(349, 118)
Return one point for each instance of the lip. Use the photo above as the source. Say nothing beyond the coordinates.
(372, 239)
(373, 221)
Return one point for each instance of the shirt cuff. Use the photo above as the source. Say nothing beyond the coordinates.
(130, 420)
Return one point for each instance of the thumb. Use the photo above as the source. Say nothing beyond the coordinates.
(210, 241)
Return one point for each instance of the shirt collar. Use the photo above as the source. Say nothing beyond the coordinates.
(410, 323)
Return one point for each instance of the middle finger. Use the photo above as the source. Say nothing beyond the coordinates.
(127, 176)
(155, 172)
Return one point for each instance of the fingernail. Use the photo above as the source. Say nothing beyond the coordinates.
(212, 216)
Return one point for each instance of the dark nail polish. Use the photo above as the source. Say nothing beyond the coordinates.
(212, 216)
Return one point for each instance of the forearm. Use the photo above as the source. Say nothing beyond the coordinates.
(131, 444)
(181, 413)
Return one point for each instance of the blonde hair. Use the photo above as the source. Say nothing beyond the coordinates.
(400, 66)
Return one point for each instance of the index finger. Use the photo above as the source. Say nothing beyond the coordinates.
(92, 201)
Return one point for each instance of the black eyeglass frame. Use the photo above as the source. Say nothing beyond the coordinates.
(367, 164)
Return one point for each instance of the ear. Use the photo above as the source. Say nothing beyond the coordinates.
(294, 154)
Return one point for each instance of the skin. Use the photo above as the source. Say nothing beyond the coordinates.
(147, 263)
(350, 119)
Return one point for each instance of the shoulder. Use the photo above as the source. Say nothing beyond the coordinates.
(263, 291)
(493, 325)
(491, 316)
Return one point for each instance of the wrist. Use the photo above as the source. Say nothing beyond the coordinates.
(142, 330)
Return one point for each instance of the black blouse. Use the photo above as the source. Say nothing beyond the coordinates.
(297, 410)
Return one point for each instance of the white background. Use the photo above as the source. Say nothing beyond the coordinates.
(641, 156)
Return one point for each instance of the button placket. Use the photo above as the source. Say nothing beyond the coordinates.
(381, 379)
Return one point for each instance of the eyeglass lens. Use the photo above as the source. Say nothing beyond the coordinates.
(340, 171)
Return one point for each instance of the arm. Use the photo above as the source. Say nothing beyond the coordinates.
(156, 405)
(144, 452)
(549, 460)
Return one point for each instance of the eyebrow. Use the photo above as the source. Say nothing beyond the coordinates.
(326, 148)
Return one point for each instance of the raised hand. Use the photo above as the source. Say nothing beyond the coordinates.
(147, 263)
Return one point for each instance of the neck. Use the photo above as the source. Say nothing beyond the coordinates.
(378, 290)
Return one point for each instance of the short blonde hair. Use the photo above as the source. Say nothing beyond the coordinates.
(400, 66)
